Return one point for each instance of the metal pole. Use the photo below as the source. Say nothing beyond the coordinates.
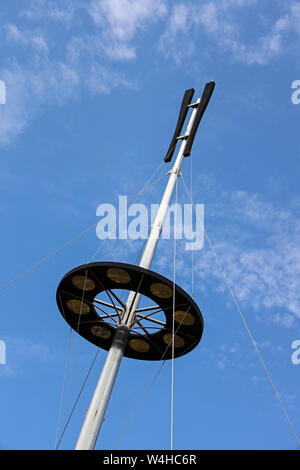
(95, 415)
(157, 226)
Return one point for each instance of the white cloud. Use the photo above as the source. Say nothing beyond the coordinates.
(25, 37)
(45, 80)
(28, 89)
(16, 112)
(207, 17)
(175, 42)
(20, 351)
(62, 11)
(265, 277)
(101, 80)
(48, 82)
(218, 21)
(117, 51)
(285, 320)
(119, 21)
(238, 3)
(41, 70)
(256, 240)
(178, 19)
(125, 17)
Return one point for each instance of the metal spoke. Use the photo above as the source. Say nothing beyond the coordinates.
(148, 308)
(150, 314)
(143, 328)
(108, 314)
(99, 308)
(149, 327)
(105, 316)
(109, 292)
(110, 298)
(97, 321)
(85, 300)
(151, 319)
(116, 297)
(96, 306)
(108, 304)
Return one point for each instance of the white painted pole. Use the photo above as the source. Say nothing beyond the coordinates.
(95, 415)
(157, 226)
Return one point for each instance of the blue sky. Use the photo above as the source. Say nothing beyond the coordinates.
(92, 94)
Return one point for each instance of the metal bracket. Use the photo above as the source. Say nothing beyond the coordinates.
(174, 172)
(182, 137)
(193, 105)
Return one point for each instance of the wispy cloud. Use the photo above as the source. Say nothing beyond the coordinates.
(43, 67)
(42, 71)
(119, 21)
(259, 251)
(28, 88)
(61, 11)
(26, 38)
(123, 18)
(40, 79)
(256, 239)
(217, 20)
(20, 351)
(175, 42)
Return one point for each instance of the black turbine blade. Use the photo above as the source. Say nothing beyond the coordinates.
(208, 91)
(188, 95)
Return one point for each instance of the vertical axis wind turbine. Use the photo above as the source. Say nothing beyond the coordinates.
(124, 329)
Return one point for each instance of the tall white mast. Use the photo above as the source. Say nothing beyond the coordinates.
(95, 414)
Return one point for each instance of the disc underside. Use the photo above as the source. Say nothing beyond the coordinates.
(80, 297)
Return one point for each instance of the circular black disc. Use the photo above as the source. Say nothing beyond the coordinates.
(96, 320)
